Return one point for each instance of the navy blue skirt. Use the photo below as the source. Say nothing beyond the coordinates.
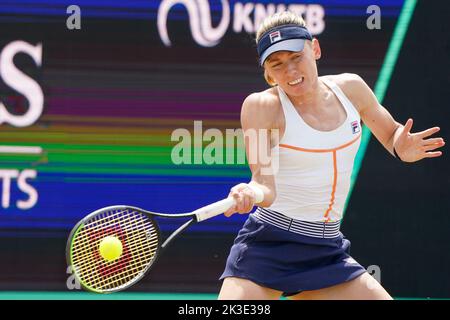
(287, 261)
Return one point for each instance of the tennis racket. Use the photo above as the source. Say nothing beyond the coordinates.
(140, 241)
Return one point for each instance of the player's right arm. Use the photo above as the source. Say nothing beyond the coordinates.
(258, 116)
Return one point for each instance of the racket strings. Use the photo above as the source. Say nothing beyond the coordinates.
(113, 275)
(126, 230)
(137, 266)
(117, 279)
(110, 273)
(140, 243)
(80, 250)
(97, 264)
(90, 228)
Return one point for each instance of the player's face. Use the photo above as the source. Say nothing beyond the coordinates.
(295, 72)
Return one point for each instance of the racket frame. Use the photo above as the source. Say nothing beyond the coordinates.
(160, 247)
(198, 215)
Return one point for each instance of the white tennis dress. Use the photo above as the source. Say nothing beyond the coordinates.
(315, 167)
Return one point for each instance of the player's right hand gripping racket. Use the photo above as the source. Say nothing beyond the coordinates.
(140, 243)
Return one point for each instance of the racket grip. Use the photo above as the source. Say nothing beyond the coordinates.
(221, 206)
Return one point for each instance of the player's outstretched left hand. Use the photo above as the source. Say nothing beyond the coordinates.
(413, 147)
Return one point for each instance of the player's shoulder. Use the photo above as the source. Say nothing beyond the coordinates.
(262, 99)
(261, 108)
(346, 81)
(353, 86)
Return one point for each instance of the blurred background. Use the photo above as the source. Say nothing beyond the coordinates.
(91, 92)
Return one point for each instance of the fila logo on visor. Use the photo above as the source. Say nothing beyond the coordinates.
(355, 127)
(275, 36)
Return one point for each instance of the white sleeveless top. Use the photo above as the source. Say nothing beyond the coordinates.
(315, 167)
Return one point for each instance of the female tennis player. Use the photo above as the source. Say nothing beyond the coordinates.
(291, 245)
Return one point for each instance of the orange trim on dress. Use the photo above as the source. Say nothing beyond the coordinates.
(335, 172)
(333, 190)
(320, 150)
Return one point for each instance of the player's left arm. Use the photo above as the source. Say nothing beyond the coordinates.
(409, 146)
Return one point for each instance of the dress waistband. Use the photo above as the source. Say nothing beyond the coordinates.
(316, 229)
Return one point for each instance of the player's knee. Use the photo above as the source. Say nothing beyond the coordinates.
(234, 288)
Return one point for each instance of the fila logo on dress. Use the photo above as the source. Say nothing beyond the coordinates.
(355, 127)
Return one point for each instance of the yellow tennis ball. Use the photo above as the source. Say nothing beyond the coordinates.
(110, 248)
